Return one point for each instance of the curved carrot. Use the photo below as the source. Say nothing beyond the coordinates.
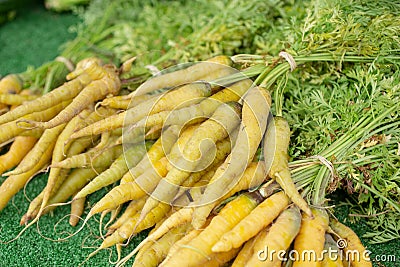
(276, 156)
(134, 207)
(15, 183)
(67, 91)
(279, 237)
(77, 208)
(316, 227)
(18, 150)
(353, 243)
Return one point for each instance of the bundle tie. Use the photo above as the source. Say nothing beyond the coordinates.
(289, 58)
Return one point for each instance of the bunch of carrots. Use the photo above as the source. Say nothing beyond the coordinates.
(193, 153)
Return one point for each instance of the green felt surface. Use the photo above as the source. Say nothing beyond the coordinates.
(33, 38)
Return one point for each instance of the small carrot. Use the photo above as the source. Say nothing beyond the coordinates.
(259, 218)
(18, 150)
(77, 208)
(190, 74)
(352, 244)
(198, 250)
(14, 183)
(279, 237)
(12, 99)
(276, 143)
(47, 140)
(316, 227)
(124, 101)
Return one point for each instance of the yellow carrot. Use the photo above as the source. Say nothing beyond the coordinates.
(65, 92)
(247, 250)
(128, 229)
(134, 207)
(354, 250)
(181, 97)
(255, 112)
(198, 250)
(47, 140)
(12, 129)
(276, 156)
(333, 256)
(280, 236)
(15, 183)
(133, 190)
(12, 99)
(224, 121)
(190, 74)
(156, 253)
(203, 109)
(10, 84)
(94, 91)
(77, 208)
(18, 150)
(259, 218)
(316, 227)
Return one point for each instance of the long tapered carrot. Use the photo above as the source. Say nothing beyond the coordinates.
(197, 251)
(15, 183)
(203, 109)
(256, 106)
(316, 227)
(353, 248)
(276, 156)
(12, 129)
(218, 127)
(190, 74)
(279, 237)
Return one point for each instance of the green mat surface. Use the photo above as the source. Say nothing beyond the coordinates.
(32, 39)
